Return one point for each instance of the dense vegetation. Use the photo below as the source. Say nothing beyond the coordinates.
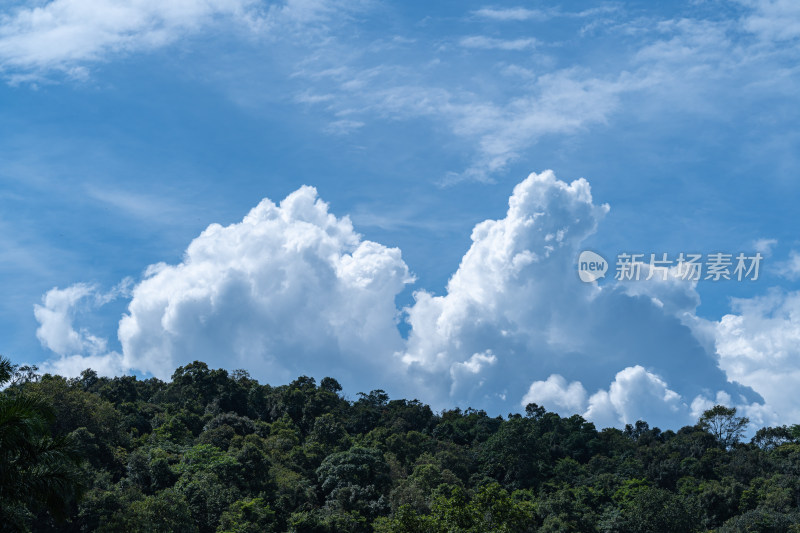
(213, 451)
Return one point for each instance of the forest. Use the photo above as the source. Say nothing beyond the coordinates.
(217, 451)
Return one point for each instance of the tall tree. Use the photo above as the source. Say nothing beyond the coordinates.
(37, 472)
(723, 423)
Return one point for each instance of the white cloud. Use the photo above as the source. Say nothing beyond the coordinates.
(759, 346)
(563, 102)
(773, 20)
(145, 208)
(764, 246)
(665, 287)
(490, 43)
(105, 364)
(77, 349)
(55, 317)
(557, 395)
(517, 294)
(67, 35)
(343, 127)
(64, 33)
(512, 263)
(463, 375)
(688, 43)
(636, 394)
(290, 290)
(686, 64)
(520, 14)
(702, 403)
(510, 14)
(790, 269)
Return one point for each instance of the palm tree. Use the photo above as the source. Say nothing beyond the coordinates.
(38, 472)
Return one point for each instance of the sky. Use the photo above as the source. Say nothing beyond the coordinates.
(396, 195)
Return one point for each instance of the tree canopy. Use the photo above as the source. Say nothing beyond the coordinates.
(217, 451)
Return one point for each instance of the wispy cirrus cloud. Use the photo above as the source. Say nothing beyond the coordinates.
(773, 20)
(563, 102)
(687, 62)
(510, 14)
(490, 43)
(681, 64)
(146, 208)
(790, 268)
(68, 36)
(64, 35)
(521, 14)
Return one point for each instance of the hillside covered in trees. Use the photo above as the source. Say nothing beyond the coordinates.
(213, 451)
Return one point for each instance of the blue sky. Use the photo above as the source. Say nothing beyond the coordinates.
(127, 128)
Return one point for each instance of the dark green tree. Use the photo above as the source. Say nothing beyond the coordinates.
(38, 472)
(249, 515)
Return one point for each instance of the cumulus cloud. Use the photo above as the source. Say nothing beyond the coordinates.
(562, 397)
(495, 296)
(289, 290)
(78, 349)
(516, 293)
(463, 374)
(105, 364)
(55, 317)
(703, 403)
(292, 289)
(666, 288)
(636, 394)
(759, 346)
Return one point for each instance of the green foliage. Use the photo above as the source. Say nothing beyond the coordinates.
(723, 424)
(165, 512)
(491, 509)
(646, 509)
(249, 515)
(355, 481)
(212, 451)
(39, 471)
